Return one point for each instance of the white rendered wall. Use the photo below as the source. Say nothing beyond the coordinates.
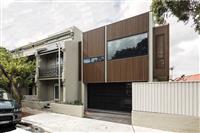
(150, 37)
(71, 85)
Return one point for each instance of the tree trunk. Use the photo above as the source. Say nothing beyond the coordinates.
(15, 92)
(13, 89)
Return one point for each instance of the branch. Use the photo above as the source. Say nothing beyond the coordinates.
(5, 73)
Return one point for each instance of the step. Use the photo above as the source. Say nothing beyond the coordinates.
(119, 117)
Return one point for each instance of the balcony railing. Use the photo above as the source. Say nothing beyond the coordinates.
(50, 72)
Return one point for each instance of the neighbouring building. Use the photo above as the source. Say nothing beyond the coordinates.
(58, 64)
(188, 78)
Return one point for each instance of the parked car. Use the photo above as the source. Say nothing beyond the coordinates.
(10, 110)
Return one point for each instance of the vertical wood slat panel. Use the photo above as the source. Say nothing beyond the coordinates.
(93, 46)
(94, 42)
(180, 98)
(94, 73)
(135, 25)
(161, 31)
(129, 69)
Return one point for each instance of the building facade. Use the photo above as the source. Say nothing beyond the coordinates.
(115, 55)
(58, 61)
(99, 66)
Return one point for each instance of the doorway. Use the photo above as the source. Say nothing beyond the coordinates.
(56, 92)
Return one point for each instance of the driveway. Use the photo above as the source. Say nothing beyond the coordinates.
(53, 122)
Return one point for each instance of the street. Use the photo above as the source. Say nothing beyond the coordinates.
(20, 128)
(12, 129)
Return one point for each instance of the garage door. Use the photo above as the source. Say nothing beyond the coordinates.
(110, 96)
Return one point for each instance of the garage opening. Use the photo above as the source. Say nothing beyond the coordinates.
(110, 96)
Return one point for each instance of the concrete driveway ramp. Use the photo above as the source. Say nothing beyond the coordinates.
(53, 122)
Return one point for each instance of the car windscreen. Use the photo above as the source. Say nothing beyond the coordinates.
(4, 95)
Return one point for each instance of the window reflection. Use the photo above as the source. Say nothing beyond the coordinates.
(93, 59)
(136, 45)
(86, 60)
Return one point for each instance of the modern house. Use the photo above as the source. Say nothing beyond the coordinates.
(58, 63)
(117, 54)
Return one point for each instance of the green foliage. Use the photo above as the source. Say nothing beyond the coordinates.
(184, 10)
(19, 72)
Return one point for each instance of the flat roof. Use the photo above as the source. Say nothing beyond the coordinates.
(50, 37)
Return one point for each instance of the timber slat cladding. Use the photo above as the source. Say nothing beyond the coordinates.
(94, 41)
(128, 27)
(93, 46)
(129, 69)
(94, 73)
(161, 61)
(119, 70)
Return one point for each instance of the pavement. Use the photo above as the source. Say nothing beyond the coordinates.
(52, 122)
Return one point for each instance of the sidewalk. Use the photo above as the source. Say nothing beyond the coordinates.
(53, 122)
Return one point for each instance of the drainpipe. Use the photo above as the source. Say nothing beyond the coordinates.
(59, 83)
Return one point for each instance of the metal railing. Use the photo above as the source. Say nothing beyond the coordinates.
(51, 72)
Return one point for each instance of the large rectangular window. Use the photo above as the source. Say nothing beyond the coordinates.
(136, 45)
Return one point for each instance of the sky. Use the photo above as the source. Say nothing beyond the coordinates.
(25, 21)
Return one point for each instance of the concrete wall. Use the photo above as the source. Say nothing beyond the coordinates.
(42, 90)
(169, 122)
(70, 82)
(73, 110)
(78, 34)
(50, 90)
(46, 90)
(34, 104)
(173, 106)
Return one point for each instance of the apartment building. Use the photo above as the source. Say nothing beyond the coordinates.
(57, 76)
(118, 54)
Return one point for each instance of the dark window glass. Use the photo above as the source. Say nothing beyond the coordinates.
(93, 59)
(56, 92)
(136, 45)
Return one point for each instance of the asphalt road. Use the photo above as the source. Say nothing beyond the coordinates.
(12, 129)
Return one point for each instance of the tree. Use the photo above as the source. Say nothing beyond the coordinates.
(15, 73)
(184, 10)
